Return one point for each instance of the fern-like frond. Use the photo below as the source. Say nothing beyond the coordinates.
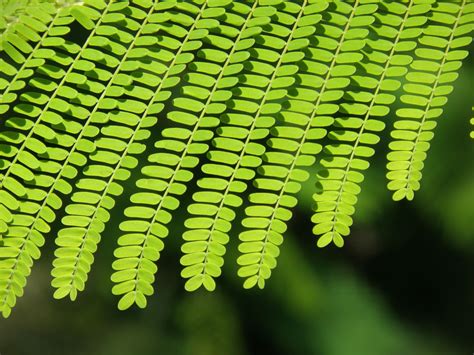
(434, 69)
(171, 26)
(237, 150)
(126, 111)
(34, 125)
(329, 59)
(193, 117)
(361, 116)
(50, 152)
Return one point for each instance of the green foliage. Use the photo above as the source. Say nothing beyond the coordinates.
(245, 94)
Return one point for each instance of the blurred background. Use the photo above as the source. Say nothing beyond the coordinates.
(403, 283)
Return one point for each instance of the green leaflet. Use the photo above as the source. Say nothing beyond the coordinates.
(239, 91)
(434, 69)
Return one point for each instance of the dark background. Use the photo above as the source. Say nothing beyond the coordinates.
(403, 283)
